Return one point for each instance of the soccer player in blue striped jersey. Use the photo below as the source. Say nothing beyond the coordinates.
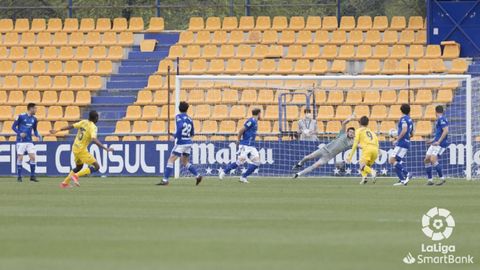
(24, 125)
(438, 145)
(183, 145)
(402, 145)
(248, 152)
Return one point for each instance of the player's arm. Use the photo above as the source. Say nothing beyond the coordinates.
(240, 134)
(345, 122)
(354, 146)
(402, 133)
(442, 137)
(97, 142)
(70, 127)
(35, 130)
(178, 130)
(15, 127)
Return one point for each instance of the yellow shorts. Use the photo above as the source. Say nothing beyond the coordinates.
(369, 155)
(83, 157)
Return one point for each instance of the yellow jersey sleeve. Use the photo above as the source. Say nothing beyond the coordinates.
(78, 124)
(93, 132)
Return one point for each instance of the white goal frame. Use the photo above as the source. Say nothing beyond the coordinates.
(466, 78)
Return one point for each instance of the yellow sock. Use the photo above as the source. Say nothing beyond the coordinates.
(363, 173)
(367, 170)
(84, 171)
(67, 179)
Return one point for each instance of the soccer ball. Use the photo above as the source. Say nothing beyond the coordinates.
(393, 133)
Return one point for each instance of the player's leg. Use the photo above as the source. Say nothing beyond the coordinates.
(169, 168)
(323, 159)
(93, 166)
(241, 159)
(66, 181)
(31, 154)
(428, 165)
(436, 165)
(253, 155)
(396, 159)
(366, 161)
(314, 155)
(20, 151)
(185, 160)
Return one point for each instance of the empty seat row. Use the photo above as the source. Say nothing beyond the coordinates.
(103, 67)
(288, 37)
(311, 23)
(62, 39)
(407, 66)
(45, 98)
(72, 25)
(63, 53)
(70, 113)
(89, 83)
(312, 51)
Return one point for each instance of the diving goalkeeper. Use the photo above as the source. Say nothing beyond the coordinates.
(341, 143)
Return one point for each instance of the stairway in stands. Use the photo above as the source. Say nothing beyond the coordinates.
(122, 87)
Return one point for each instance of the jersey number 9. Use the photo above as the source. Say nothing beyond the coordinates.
(369, 135)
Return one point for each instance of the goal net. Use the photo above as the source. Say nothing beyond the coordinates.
(221, 104)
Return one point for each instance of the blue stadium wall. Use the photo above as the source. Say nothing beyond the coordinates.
(457, 20)
(149, 158)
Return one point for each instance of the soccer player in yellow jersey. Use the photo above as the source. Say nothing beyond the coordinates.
(87, 132)
(368, 141)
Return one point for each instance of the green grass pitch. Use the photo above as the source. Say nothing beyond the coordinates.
(129, 223)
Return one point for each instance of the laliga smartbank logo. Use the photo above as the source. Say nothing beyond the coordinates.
(437, 225)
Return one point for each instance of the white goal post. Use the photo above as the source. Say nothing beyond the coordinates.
(465, 82)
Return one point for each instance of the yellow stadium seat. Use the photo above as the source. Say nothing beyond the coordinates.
(60, 83)
(398, 23)
(238, 112)
(92, 38)
(3, 53)
(150, 112)
(361, 110)
(296, 23)
(160, 97)
(355, 37)
(17, 53)
(93, 83)
(76, 83)
(312, 51)
(380, 23)
(125, 39)
(406, 37)
(227, 127)
(10, 39)
(5, 114)
(144, 97)
(346, 52)
(287, 37)
(423, 128)
(295, 51)
(213, 96)
(70, 25)
(271, 112)
(423, 96)
(227, 51)
(103, 25)
(10, 82)
(415, 23)
(429, 113)
(156, 24)
(372, 66)
(21, 67)
(154, 82)
(364, 23)
(269, 37)
(49, 53)
(108, 38)
(175, 51)
(279, 23)
(28, 38)
(6, 25)
(275, 51)
(285, 66)
(122, 126)
(459, 66)
(55, 113)
(386, 126)
(319, 66)
(59, 39)
(213, 23)
(135, 24)
(26, 83)
(115, 53)
(302, 66)
(233, 66)
(66, 53)
(140, 126)
(87, 24)
(437, 65)
(104, 67)
(3, 97)
(158, 126)
(21, 25)
(372, 37)
(196, 96)
(354, 97)
(88, 67)
(451, 51)
(381, 52)
(313, 23)
(363, 52)
(329, 52)
(267, 66)
(254, 37)
(15, 98)
(379, 112)
(265, 97)
(19, 109)
(217, 66)
(335, 97)
(390, 37)
(209, 126)
(390, 66)
(38, 25)
(333, 127)
(71, 67)
(250, 66)
(246, 23)
(32, 97)
(76, 39)
(33, 53)
(249, 96)
(6, 67)
(192, 52)
(320, 96)
(129, 138)
(263, 23)
(65, 98)
(398, 52)
(394, 112)
(133, 112)
(219, 37)
(119, 25)
(199, 66)
(347, 23)
(44, 127)
(203, 37)
(196, 23)
(83, 98)
(7, 129)
(339, 37)
(422, 67)
(444, 96)
(420, 37)
(229, 23)
(38, 67)
(230, 96)
(244, 51)
(202, 112)
(304, 37)
(330, 23)
(236, 37)
(263, 126)
(415, 51)
(433, 51)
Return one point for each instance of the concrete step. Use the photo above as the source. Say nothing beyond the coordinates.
(107, 100)
(127, 84)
